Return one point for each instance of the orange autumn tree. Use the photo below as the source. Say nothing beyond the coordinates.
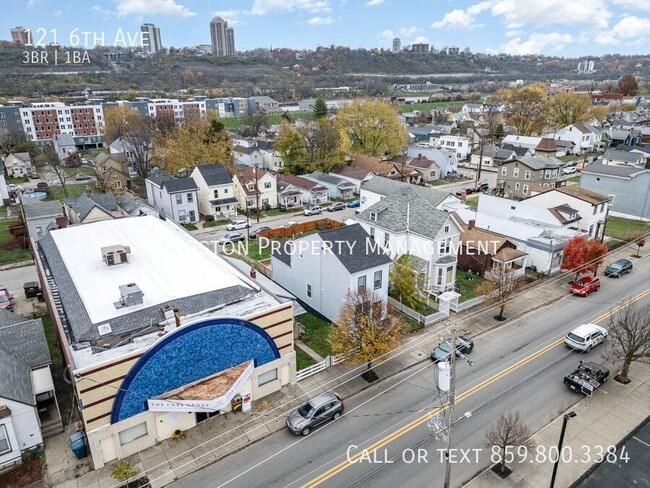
(582, 255)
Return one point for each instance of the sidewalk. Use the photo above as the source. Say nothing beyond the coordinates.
(604, 420)
(225, 434)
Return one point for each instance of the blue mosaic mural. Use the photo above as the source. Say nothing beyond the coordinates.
(188, 354)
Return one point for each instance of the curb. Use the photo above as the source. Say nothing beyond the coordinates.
(22, 264)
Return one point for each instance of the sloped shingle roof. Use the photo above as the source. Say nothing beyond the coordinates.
(215, 174)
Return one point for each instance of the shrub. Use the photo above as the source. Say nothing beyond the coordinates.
(178, 435)
(124, 471)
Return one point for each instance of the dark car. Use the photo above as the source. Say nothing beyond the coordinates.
(483, 187)
(619, 268)
(253, 233)
(42, 185)
(464, 345)
(354, 204)
(336, 207)
(318, 410)
(585, 285)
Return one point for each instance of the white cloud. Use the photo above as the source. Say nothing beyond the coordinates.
(513, 33)
(126, 8)
(421, 40)
(101, 11)
(629, 30)
(537, 43)
(230, 16)
(57, 13)
(31, 4)
(262, 7)
(462, 19)
(374, 3)
(320, 21)
(633, 4)
(548, 12)
(409, 31)
(388, 35)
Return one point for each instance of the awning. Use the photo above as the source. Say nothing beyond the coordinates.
(223, 201)
(205, 395)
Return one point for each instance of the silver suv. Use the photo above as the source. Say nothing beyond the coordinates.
(318, 410)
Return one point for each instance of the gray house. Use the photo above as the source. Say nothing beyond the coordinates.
(517, 177)
(627, 186)
(42, 217)
(177, 198)
(337, 187)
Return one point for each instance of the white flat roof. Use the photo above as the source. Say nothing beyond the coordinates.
(165, 262)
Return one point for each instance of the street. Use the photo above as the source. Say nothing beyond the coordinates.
(519, 366)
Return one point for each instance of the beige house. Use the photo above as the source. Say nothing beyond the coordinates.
(113, 172)
(216, 191)
(517, 177)
(18, 165)
(255, 188)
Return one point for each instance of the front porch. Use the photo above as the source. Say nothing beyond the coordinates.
(511, 259)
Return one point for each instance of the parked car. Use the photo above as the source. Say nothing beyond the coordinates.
(5, 300)
(483, 187)
(232, 237)
(318, 410)
(585, 337)
(253, 233)
(619, 268)
(570, 168)
(354, 204)
(289, 224)
(42, 185)
(464, 345)
(82, 177)
(315, 210)
(335, 207)
(237, 225)
(585, 285)
(466, 191)
(12, 187)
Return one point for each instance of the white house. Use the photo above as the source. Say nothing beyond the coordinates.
(248, 156)
(356, 176)
(527, 142)
(175, 198)
(337, 187)
(271, 159)
(461, 146)
(585, 137)
(255, 187)
(18, 165)
(446, 163)
(121, 145)
(216, 191)
(28, 407)
(296, 191)
(590, 206)
(408, 221)
(64, 145)
(379, 187)
(623, 158)
(4, 189)
(320, 269)
(42, 217)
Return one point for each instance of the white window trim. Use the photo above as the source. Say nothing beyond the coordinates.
(267, 377)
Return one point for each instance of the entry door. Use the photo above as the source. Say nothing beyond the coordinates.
(203, 416)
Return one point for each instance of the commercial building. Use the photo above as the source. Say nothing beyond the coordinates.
(20, 35)
(222, 37)
(42, 121)
(397, 45)
(150, 38)
(159, 333)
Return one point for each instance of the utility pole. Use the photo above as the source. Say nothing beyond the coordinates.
(257, 196)
(452, 402)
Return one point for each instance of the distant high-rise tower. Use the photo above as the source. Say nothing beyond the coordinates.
(397, 45)
(150, 38)
(223, 38)
(20, 35)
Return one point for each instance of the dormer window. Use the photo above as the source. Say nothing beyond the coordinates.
(373, 216)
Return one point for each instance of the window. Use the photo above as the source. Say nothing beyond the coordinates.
(446, 229)
(440, 271)
(377, 284)
(308, 290)
(182, 215)
(39, 231)
(504, 171)
(267, 185)
(192, 216)
(515, 173)
(133, 433)
(517, 186)
(179, 199)
(372, 232)
(386, 239)
(361, 284)
(225, 190)
(373, 216)
(4, 440)
(527, 175)
(190, 197)
(525, 190)
(267, 377)
(595, 209)
(216, 193)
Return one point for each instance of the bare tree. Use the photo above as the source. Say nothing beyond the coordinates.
(139, 140)
(629, 332)
(508, 434)
(255, 120)
(501, 283)
(52, 159)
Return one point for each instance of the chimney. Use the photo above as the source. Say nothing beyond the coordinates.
(177, 317)
(61, 222)
(470, 224)
(419, 155)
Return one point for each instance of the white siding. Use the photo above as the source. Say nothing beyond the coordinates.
(25, 423)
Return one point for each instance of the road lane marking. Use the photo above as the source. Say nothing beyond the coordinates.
(352, 460)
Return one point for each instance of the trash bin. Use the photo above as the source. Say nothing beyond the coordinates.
(31, 289)
(79, 444)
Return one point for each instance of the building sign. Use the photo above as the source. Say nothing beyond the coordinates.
(166, 404)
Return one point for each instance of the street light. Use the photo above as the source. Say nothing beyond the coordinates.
(567, 416)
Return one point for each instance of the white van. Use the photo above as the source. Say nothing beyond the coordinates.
(585, 337)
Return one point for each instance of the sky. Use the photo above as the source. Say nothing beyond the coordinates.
(568, 28)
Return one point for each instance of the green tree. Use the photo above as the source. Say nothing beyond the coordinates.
(403, 280)
(320, 108)
(289, 144)
(570, 108)
(527, 108)
(117, 122)
(373, 127)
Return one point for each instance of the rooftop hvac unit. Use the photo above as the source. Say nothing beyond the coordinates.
(130, 295)
(113, 255)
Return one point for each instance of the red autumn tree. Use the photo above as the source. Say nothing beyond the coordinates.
(583, 255)
(628, 85)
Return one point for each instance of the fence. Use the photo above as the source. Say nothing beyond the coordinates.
(289, 232)
(320, 366)
(423, 319)
(465, 305)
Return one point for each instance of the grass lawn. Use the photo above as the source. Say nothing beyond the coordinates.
(81, 170)
(316, 333)
(190, 227)
(472, 203)
(429, 105)
(418, 306)
(254, 251)
(468, 283)
(50, 335)
(276, 211)
(14, 255)
(414, 325)
(214, 223)
(303, 360)
(234, 123)
(17, 181)
(56, 192)
(625, 229)
(574, 179)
